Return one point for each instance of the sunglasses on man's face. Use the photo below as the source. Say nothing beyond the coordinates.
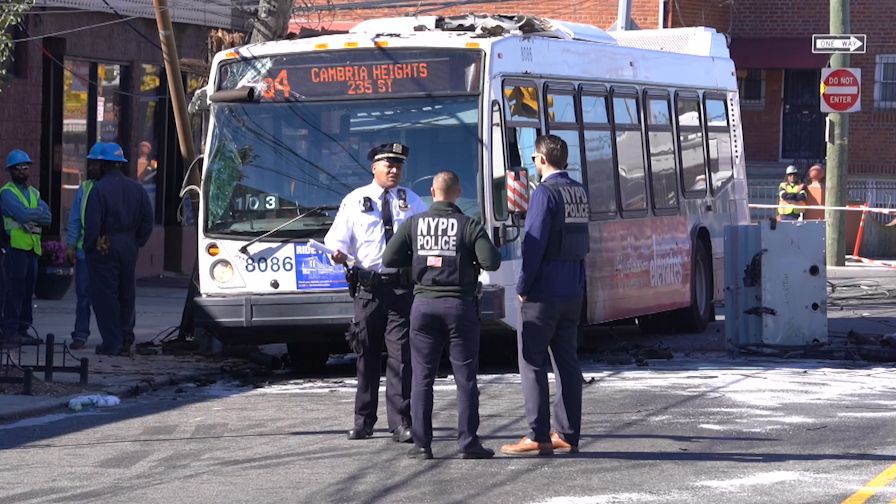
(20, 168)
(535, 156)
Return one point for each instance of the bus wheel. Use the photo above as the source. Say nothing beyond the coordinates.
(696, 317)
(308, 357)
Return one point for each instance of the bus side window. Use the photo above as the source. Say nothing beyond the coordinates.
(691, 149)
(521, 117)
(599, 161)
(721, 168)
(662, 153)
(629, 151)
(563, 123)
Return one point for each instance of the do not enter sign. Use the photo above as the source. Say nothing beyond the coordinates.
(841, 89)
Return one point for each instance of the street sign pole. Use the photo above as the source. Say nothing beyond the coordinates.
(837, 151)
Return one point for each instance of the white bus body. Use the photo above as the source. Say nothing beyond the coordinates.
(663, 181)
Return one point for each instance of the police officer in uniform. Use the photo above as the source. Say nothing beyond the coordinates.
(364, 224)
(23, 215)
(551, 289)
(117, 222)
(445, 250)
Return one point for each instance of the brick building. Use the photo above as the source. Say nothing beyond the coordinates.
(83, 74)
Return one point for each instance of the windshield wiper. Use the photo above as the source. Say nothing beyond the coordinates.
(245, 248)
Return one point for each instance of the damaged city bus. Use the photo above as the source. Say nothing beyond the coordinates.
(651, 119)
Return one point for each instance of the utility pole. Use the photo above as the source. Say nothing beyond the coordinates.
(175, 83)
(182, 124)
(837, 151)
(272, 22)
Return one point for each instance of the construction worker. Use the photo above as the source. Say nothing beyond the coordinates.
(117, 222)
(75, 241)
(791, 195)
(23, 215)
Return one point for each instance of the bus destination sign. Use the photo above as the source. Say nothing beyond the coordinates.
(356, 74)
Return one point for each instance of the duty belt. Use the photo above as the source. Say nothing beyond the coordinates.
(370, 279)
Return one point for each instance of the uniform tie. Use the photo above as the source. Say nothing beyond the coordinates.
(386, 211)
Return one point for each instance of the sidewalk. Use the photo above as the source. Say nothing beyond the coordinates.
(158, 309)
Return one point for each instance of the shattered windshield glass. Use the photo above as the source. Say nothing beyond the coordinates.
(269, 162)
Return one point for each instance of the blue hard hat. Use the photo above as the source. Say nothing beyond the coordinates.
(17, 157)
(107, 151)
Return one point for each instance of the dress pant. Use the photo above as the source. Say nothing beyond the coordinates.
(551, 326)
(436, 323)
(382, 312)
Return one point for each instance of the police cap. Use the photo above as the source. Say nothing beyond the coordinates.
(390, 150)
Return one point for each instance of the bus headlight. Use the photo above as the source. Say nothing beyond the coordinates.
(222, 271)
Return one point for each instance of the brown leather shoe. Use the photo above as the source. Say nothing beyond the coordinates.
(526, 446)
(560, 444)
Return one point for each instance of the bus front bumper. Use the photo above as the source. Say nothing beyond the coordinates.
(282, 310)
(292, 310)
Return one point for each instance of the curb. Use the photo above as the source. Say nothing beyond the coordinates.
(50, 404)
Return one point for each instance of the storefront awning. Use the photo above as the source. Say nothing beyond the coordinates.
(776, 53)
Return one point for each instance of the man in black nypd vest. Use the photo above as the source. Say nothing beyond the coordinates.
(551, 290)
(445, 250)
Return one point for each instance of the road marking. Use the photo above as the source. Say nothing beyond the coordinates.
(871, 488)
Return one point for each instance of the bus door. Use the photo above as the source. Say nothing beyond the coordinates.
(515, 126)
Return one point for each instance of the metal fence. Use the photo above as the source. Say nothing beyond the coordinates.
(877, 193)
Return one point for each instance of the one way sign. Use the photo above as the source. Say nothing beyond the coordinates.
(830, 43)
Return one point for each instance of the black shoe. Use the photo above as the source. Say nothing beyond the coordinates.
(77, 344)
(479, 452)
(419, 452)
(101, 350)
(402, 434)
(360, 433)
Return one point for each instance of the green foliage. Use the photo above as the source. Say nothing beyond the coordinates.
(11, 13)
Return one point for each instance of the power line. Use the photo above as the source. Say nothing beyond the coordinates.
(132, 27)
(89, 27)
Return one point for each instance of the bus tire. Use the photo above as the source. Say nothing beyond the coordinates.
(699, 314)
(308, 357)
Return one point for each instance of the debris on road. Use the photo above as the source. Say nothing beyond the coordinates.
(100, 401)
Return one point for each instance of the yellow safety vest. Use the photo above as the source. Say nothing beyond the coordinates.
(88, 186)
(20, 237)
(789, 207)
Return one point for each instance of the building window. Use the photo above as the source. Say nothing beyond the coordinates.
(751, 86)
(94, 110)
(885, 81)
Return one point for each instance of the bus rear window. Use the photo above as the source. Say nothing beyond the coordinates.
(356, 74)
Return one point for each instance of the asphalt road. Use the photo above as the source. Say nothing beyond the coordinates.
(686, 430)
(702, 427)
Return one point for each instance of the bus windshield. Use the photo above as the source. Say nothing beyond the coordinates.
(269, 162)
